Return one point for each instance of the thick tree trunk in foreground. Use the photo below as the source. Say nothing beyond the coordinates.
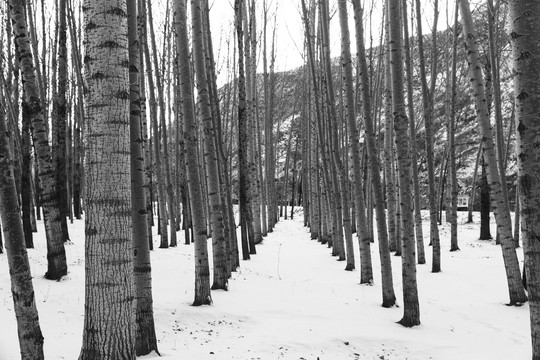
(500, 210)
(524, 34)
(109, 316)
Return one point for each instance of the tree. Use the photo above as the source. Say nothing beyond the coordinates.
(30, 336)
(144, 314)
(109, 316)
(427, 103)
(202, 268)
(524, 31)
(500, 210)
(411, 308)
(210, 151)
(56, 253)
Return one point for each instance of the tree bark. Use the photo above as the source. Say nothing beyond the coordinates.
(145, 332)
(202, 269)
(524, 32)
(56, 254)
(411, 307)
(29, 331)
(109, 317)
(501, 212)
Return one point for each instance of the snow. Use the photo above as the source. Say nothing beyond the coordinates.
(294, 301)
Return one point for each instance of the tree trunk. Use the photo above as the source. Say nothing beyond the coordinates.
(364, 236)
(29, 331)
(109, 318)
(412, 131)
(246, 223)
(154, 119)
(59, 120)
(427, 104)
(145, 332)
(202, 270)
(411, 308)
(56, 254)
(452, 141)
(501, 212)
(524, 32)
(210, 151)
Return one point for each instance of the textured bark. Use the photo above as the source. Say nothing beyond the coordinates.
(141, 27)
(421, 255)
(500, 210)
(364, 236)
(56, 254)
(524, 32)
(485, 205)
(26, 196)
(109, 316)
(59, 120)
(339, 178)
(210, 151)
(202, 268)
(411, 308)
(452, 141)
(389, 297)
(145, 333)
(30, 336)
(154, 119)
(243, 141)
(427, 105)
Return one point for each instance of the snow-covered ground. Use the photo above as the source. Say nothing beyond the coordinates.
(294, 301)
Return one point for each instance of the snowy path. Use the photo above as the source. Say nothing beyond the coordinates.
(294, 301)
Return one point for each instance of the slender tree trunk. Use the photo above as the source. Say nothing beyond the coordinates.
(145, 332)
(427, 103)
(452, 141)
(59, 119)
(364, 236)
(29, 331)
(56, 254)
(243, 141)
(109, 317)
(412, 131)
(210, 151)
(501, 212)
(164, 243)
(411, 308)
(202, 269)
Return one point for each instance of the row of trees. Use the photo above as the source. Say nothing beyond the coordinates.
(102, 147)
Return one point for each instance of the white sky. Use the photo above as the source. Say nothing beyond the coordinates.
(290, 31)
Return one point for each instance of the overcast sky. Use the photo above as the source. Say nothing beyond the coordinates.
(290, 31)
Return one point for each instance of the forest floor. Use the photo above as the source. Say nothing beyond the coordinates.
(294, 301)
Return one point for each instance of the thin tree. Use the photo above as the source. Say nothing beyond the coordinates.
(364, 236)
(411, 307)
(202, 268)
(145, 332)
(29, 331)
(389, 297)
(412, 130)
(56, 253)
(500, 210)
(210, 151)
(427, 105)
